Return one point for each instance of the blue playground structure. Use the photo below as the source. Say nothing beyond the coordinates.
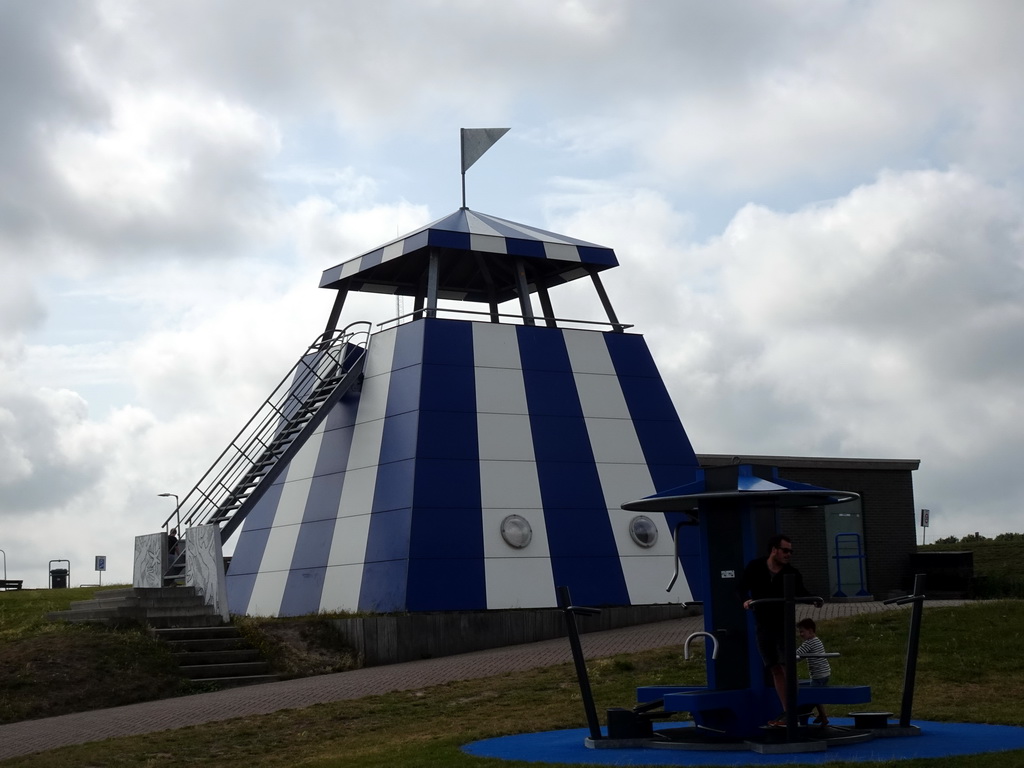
(735, 510)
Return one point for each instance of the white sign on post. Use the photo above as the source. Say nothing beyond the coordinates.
(924, 517)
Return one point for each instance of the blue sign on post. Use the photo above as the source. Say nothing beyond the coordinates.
(101, 562)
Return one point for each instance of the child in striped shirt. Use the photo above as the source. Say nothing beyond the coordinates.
(819, 667)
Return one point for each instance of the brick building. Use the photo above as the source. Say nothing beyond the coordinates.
(854, 550)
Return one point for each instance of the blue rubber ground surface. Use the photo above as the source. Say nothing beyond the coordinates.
(935, 740)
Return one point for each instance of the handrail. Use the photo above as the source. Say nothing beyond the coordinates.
(235, 472)
(417, 312)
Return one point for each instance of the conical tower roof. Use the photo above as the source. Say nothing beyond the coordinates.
(479, 253)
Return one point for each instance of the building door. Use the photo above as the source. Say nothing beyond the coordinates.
(844, 533)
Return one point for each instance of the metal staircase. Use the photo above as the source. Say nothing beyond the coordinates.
(331, 367)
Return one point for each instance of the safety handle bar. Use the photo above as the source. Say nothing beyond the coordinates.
(581, 610)
(826, 655)
(903, 600)
(813, 600)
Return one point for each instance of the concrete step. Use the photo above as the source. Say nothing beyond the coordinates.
(211, 645)
(219, 655)
(175, 634)
(197, 621)
(179, 601)
(147, 592)
(234, 656)
(152, 617)
(238, 682)
(240, 669)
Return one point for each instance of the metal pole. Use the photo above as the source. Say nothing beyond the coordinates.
(789, 646)
(570, 611)
(433, 268)
(5, 564)
(177, 509)
(913, 641)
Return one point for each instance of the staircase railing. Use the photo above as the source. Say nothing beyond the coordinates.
(331, 366)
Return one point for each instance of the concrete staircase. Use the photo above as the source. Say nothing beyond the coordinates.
(206, 649)
(156, 607)
(218, 655)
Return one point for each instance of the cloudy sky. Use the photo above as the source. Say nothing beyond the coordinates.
(816, 204)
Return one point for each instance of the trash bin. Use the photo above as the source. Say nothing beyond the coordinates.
(59, 578)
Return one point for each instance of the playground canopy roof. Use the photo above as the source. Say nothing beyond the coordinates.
(478, 258)
(743, 482)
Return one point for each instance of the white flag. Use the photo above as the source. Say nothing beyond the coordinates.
(476, 141)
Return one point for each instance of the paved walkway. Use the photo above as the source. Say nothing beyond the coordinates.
(50, 733)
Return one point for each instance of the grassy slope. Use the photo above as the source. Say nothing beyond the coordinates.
(49, 668)
(1000, 563)
(964, 674)
(991, 558)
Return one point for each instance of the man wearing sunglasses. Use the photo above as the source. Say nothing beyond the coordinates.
(761, 579)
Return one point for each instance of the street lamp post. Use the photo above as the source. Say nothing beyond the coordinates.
(177, 510)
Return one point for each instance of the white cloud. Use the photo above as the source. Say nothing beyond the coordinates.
(177, 176)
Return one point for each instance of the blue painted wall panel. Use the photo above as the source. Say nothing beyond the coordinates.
(323, 499)
(647, 398)
(447, 483)
(388, 538)
(334, 450)
(592, 580)
(383, 589)
(249, 552)
(447, 532)
(400, 436)
(404, 390)
(448, 388)
(448, 342)
(302, 591)
(448, 435)
(562, 439)
(313, 544)
(394, 488)
(665, 443)
(446, 585)
(265, 510)
(542, 349)
(239, 587)
(408, 345)
(631, 356)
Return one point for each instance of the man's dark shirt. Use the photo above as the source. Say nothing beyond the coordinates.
(759, 582)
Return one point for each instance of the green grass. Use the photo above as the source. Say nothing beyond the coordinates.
(964, 674)
(52, 668)
(998, 564)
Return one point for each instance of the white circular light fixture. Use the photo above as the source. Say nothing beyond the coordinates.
(643, 531)
(516, 531)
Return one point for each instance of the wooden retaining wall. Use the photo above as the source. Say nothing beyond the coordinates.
(383, 640)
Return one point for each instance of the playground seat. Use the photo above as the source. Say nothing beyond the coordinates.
(833, 694)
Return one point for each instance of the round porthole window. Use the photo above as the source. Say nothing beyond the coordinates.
(516, 531)
(643, 531)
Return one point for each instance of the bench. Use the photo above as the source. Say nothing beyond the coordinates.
(7, 584)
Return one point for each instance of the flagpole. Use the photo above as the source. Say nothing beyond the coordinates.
(462, 160)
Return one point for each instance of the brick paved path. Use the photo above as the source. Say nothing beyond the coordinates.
(39, 735)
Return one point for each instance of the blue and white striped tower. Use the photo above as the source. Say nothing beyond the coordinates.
(484, 458)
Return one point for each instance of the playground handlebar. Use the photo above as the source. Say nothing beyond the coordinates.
(582, 610)
(816, 601)
(903, 600)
